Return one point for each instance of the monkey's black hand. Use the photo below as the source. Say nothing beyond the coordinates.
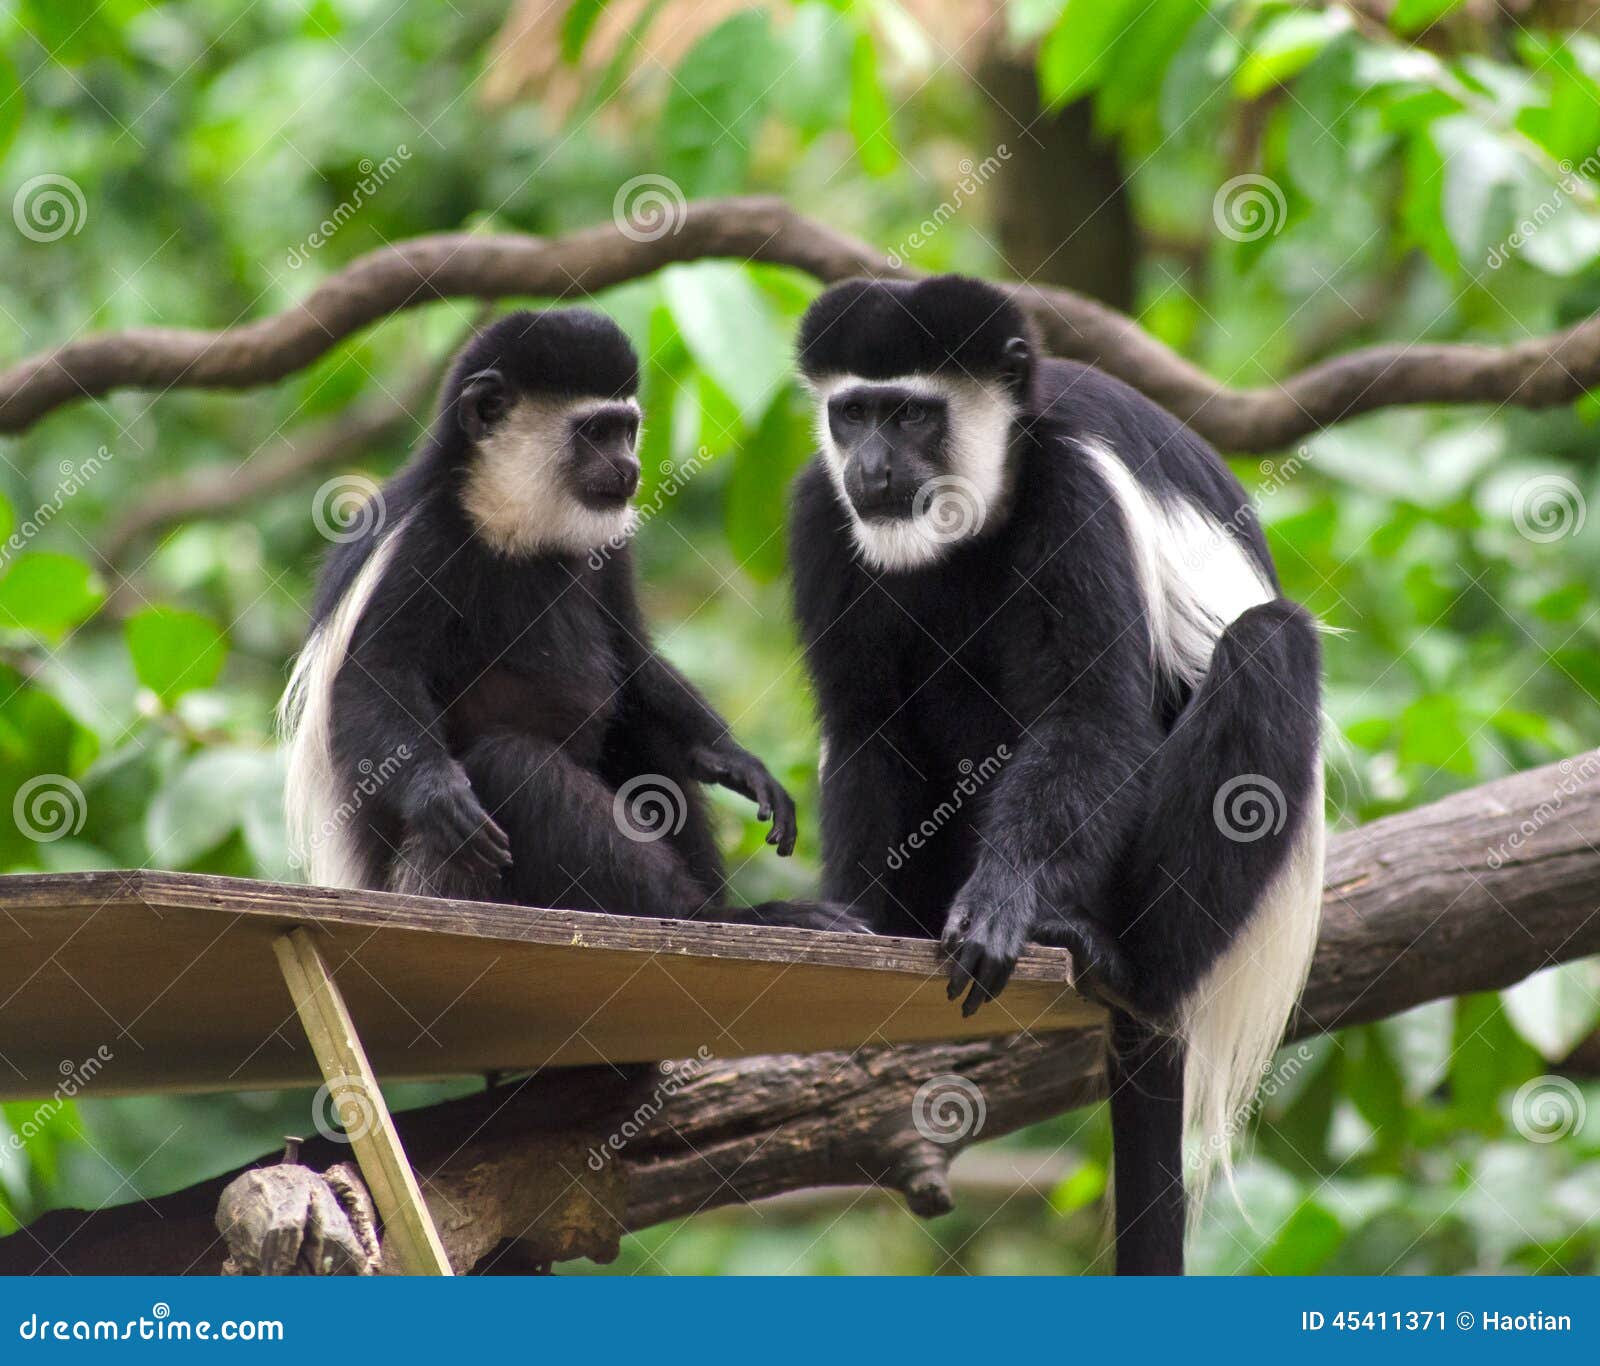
(447, 823)
(984, 934)
(740, 771)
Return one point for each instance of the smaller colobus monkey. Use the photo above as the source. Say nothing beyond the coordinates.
(996, 553)
(480, 648)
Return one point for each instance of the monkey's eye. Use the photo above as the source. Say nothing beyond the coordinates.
(855, 411)
(912, 413)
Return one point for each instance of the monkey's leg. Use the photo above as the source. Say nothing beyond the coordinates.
(575, 844)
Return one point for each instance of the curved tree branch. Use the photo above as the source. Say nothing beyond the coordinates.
(1469, 894)
(1535, 373)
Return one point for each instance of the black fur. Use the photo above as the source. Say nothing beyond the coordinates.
(525, 689)
(1097, 834)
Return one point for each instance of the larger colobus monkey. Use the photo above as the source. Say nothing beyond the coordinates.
(995, 550)
(478, 711)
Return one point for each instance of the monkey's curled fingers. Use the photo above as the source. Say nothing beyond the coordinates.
(983, 938)
(740, 771)
(449, 816)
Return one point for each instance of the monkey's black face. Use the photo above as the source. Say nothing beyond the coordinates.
(600, 455)
(891, 440)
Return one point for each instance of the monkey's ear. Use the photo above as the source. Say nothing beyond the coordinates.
(482, 402)
(1016, 362)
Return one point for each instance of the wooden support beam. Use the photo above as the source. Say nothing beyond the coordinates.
(407, 1226)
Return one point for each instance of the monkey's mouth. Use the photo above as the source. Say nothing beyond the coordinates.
(884, 507)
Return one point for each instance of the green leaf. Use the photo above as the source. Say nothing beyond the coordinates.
(1412, 16)
(204, 802)
(1083, 1187)
(175, 651)
(1074, 53)
(758, 488)
(576, 26)
(47, 593)
(870, 121)
(731, 331)
(12, 104)
(8, 522)
(1556, 1009)
(715, 107)
(1285, 46)
(1135, 66)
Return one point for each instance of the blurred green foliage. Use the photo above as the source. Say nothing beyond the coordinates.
(209, 146)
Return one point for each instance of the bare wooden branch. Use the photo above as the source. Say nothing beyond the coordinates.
(1468, 894)
(1535, 373)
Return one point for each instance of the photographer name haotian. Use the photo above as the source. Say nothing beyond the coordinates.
(1493, 1321)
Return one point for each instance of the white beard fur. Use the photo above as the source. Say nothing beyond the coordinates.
(981, 414)
(517, 496)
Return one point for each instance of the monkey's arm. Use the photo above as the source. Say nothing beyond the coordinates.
(871, 797)
(383, 710)
(1062, 811)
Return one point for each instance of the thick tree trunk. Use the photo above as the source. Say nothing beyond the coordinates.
(1469, 894)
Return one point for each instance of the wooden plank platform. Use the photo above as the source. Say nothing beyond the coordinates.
(169, 982)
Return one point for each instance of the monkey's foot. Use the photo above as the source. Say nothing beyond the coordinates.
(1099, 969)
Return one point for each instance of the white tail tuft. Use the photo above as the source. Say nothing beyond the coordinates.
(321, 845)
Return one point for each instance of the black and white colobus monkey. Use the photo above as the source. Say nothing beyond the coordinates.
(479, 648)
(993, 549)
